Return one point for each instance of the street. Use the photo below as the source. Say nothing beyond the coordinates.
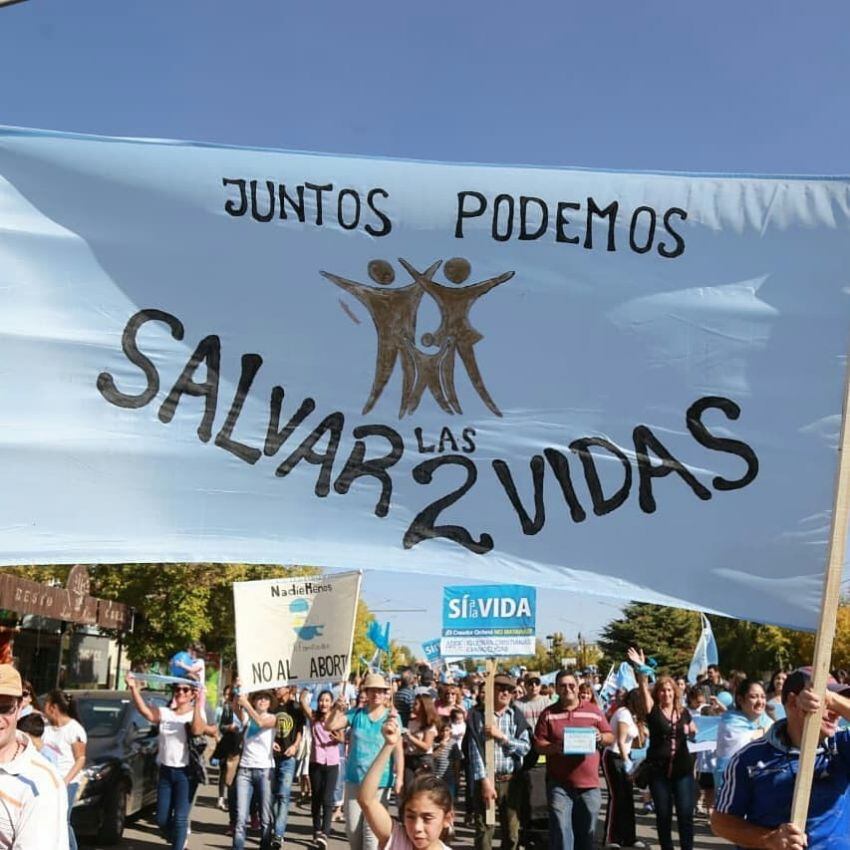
(209, 826)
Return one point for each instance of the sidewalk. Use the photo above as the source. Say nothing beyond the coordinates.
(209, 825)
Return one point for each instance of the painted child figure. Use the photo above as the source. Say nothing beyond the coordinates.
(425, 807)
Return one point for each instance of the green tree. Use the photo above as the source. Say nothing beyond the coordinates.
(180, 603)
(668, 635)
(753, 648)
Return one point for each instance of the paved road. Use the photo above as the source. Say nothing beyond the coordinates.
(209, 825)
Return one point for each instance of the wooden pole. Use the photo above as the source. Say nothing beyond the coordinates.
(347, 668)
(828, 614)
(489, 744)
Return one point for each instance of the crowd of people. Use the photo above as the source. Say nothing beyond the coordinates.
(722, 748)
(353, 753)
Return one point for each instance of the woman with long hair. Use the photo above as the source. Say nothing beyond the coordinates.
(324, 765)
(176, 786)
(66, 739)
(629, 726)
(671, 775)
(419, 737)
(746, 722)
(774, 706)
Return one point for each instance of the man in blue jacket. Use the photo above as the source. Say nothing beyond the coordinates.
(754, 807)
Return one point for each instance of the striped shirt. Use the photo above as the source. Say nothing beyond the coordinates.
(33, 802)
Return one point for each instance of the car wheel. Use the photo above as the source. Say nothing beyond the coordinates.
(115, 815)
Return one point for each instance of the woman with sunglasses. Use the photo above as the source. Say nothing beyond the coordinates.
(66, 739)
(176, 787)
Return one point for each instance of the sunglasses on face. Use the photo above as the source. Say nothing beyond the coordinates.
(8, 706)
(504, 688)
(183, 690)
(27, 694)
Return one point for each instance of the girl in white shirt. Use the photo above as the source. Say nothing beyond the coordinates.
(65, 739)
(627, 723)
(176, 787)
(255, 766)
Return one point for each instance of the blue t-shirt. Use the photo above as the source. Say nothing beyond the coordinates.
(759, 784)
(366, 743)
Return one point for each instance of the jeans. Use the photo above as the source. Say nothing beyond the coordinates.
(322, 786)
(175, 791)
(283, 772)
(665, 793)
(360, 836)
(72, 795)
(572, 816)
(253, 782)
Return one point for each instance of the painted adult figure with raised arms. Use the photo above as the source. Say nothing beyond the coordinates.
(393, 313)
(455, 327)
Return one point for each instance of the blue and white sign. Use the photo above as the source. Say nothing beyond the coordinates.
(488, 620)
(602, 382)
(431, 648)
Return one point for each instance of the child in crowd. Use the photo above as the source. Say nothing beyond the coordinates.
(425, 807)
(33, 724)
(447, 757)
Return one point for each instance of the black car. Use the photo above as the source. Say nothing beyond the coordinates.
(121, 770)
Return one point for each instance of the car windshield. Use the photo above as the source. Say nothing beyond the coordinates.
(102, 718)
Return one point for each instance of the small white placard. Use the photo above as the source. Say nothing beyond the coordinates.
(579, 740)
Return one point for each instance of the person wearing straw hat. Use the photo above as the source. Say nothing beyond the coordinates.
(33, 799)
(366, 742)
(754, 807)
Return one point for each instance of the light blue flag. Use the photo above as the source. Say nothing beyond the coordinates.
(378, 635)
(704, 654)
(609, 686)
(626, 677)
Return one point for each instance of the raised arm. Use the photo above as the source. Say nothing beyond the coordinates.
(337, 719)
(379, 819)
(637, 658)
(304, 701)
(199, 716)
(149, 712)
(263, 722)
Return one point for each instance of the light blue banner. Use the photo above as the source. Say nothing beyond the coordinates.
(601, 382)
(431, 648)
(490, 620)
(489, 608)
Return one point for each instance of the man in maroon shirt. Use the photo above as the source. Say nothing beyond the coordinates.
(572, 780)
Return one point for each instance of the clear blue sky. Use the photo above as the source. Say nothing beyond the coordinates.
(759, 86)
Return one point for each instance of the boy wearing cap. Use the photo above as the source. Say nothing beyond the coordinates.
(33, 798)
(533, 703)
(754, 807)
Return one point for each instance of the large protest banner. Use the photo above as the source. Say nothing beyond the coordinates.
(295, 631)
(488, 620)
(623, 384)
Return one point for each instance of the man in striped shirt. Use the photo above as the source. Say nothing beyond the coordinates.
(572, 779)
(512, 737)
(33, 797)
